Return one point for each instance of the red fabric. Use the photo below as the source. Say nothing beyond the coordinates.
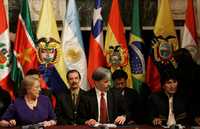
(152, 76)
(3, 23)
(190, 20)
(25, 49)
(4, 79)
(103, 110)
(116, 24)
(96, 59)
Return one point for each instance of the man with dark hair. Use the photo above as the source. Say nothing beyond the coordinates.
(130, 96)
(103, 105)
(168, 107)
(69, 106)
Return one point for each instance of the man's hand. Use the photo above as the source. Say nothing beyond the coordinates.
(157, 121)
(90, 122)
(120, 120)
(197, 120)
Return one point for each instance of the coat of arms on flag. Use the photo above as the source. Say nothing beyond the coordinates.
(48, 50)
(163, 49)
(116, 57)
(4, 54)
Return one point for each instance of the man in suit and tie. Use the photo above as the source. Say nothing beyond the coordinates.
(103, 105)
(69, 107)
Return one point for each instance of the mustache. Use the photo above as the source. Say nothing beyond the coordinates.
(74, 83)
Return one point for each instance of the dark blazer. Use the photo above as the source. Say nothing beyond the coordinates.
(115, 105)
(67, 112)
(5, 100)
(133, 101)
(158, 105)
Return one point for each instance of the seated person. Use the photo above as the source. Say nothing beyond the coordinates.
(167, 107)
(131, 97)
(5, 100)
(44, 88)
(68, 106)
(188, 72)
(30, 107)
(103, 105)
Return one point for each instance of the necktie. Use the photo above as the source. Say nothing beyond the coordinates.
(171, 120)
(74, 98)
(103, 109)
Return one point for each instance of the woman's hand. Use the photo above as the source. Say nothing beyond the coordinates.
(49, 123)
(10, 123)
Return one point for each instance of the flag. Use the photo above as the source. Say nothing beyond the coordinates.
(115, 44)
(189, 40)
(73, 48)
(6, 8)
(5, 51)
(96, 56)
(50, 55)
(25, 57)
(164, 25)
(136, 47)
(164, 43)
(152, 75)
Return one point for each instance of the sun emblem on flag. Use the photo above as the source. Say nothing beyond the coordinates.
(116, 57)
(48, 51)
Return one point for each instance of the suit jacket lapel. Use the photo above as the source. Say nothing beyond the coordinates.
(109, 105)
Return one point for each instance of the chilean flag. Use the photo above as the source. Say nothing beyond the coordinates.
(96, 57)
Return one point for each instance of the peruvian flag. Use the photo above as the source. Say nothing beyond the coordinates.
(190, 34)
(4, 51)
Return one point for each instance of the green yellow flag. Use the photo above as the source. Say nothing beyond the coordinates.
(136, 47)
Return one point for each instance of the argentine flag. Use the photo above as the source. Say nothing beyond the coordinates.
(73, 49)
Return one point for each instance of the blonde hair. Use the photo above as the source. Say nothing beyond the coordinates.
(27, 83)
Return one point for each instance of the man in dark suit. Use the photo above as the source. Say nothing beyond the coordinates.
(69, 107)
(103, 105)
(168, 107)
(130, 96)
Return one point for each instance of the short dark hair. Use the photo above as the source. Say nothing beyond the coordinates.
(167, 75)
(183, 56)
(73, 71)
(100, 74)
(119, 74)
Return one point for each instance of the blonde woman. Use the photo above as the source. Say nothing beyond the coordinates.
(30, 107)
